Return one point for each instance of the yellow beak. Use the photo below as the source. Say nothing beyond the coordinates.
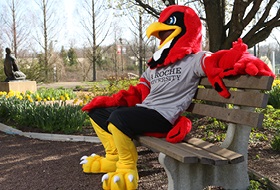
(156, 27)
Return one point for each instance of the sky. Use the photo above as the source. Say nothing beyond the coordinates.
(72, 30)
(69, 6)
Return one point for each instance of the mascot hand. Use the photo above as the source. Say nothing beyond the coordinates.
(100, 102)
(251, 65)
(131, 97)
(181, 128)
(236, 61)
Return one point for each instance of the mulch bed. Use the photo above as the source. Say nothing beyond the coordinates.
(34, 164)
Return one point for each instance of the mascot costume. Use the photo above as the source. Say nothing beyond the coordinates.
(153, 106)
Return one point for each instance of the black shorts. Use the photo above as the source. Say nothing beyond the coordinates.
(131, 121)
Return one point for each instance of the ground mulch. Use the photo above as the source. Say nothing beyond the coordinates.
(30, 164)
(35, 164)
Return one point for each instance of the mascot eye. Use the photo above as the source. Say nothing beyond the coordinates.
(171, 20)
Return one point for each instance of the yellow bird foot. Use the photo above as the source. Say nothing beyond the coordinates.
(122, 179)
(97, 164)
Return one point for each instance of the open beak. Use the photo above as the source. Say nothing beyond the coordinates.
(163, 32)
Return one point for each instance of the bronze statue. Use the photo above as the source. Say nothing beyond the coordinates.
(11, 69)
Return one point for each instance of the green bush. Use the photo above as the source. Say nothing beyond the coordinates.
(272, 123)
(111, 86)
(52, 94)
(254, 185)
(271, 118)
(274, 97)
(106, 88)
(49, 117)
(275, 142)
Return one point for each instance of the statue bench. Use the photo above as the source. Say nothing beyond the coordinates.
(196, 164)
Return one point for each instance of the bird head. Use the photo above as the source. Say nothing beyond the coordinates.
(179, 31)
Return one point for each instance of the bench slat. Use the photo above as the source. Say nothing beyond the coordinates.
(232, 157)
(245, 81)
(203, 156)
(249, 98)
(193, 152)
(168, 148)
(237, 116)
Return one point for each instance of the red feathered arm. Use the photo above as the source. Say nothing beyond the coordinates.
(132, 96)
(236, 61)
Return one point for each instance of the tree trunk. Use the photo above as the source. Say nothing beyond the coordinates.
(46, 59)
(217, 35)
(140, 45)
(93, 43)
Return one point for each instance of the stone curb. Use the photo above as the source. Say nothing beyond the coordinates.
(47, 136)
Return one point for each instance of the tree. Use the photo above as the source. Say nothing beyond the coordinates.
(48, 24)
(253, 20)
(64, 56)
(15, 30)
(72, 56)
(1, 37)
(139, 20)
(93, 17)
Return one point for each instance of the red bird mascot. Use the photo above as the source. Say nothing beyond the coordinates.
(165, 90)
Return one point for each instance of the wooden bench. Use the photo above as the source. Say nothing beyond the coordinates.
(195, 164)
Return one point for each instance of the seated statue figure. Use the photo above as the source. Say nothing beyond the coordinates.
(11, 69)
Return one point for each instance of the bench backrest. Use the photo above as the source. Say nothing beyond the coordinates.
(246, 92)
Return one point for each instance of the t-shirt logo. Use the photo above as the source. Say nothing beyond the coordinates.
(169, 75)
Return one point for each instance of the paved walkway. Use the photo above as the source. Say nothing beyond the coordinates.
(47, 136)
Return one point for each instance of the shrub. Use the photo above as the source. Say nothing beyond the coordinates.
(254, 185)
(106, 88)
(275, 142)
(274, 95)
(49, 117)
(52, 94)
(271, 116)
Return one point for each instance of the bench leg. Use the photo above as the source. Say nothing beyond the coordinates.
(198, 176)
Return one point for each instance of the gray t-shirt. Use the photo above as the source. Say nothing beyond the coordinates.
(173, 87)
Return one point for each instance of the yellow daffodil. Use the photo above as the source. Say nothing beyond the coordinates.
(11, 93)
(3, 93)
(62, 98)
(276, 82)
(20, 97)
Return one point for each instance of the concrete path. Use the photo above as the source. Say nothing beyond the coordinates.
(47, 136)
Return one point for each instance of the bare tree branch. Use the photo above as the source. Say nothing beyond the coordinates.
(240, 22)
